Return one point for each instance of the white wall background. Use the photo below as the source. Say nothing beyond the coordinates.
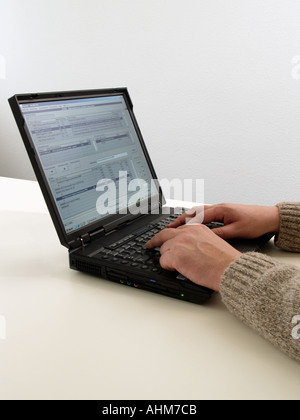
(215, 83)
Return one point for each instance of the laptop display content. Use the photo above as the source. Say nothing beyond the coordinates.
(100, 186)
(80, 142)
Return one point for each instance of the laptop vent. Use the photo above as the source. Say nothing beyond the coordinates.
(88, 268)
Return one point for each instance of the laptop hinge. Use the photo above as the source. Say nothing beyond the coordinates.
(91, 236)
(96, 234)
(85, 239)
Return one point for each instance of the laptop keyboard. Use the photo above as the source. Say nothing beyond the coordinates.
(131, 250)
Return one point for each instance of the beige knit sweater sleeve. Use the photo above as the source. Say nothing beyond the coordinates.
(264, 293)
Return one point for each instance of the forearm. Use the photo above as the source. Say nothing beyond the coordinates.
(265, 295)
(289, 232)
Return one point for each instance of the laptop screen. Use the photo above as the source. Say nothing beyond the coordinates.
(91, 156)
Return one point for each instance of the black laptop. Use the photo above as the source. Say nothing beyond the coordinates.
(100, 187)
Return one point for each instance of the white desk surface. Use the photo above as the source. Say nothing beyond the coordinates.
(74, 336)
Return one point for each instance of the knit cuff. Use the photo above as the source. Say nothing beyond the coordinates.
(289, 233)
(240, 281)
(264, 294)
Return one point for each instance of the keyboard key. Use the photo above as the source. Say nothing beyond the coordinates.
(131, 249)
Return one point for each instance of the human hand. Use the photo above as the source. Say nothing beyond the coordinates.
(196, 253)
(240, 221)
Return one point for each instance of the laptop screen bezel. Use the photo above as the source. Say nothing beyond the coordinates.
(72, 240)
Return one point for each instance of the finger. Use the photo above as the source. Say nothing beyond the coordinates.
(213, 214)
(162, 237)
(227, 231)
(168, 245)
(167, 261)
(186, 217)
(196, 220)
(180, 220)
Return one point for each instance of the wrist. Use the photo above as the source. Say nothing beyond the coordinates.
(231, 258)
(274, 217)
